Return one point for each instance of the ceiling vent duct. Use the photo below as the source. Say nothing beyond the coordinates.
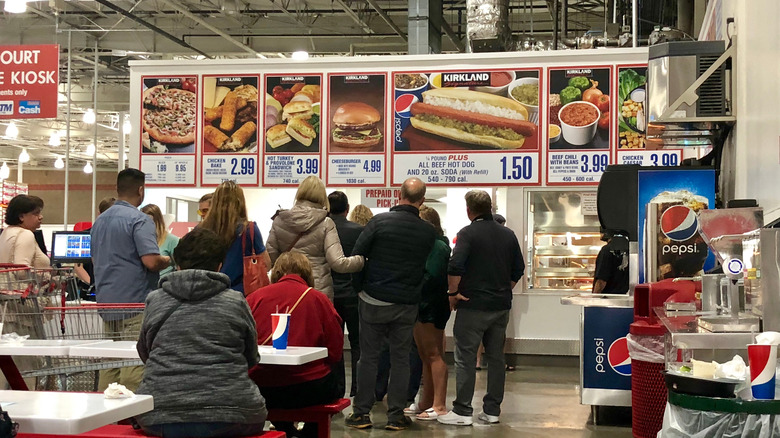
(487, 25)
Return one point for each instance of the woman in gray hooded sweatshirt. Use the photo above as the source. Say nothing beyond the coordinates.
(307, 229)
(198, 341)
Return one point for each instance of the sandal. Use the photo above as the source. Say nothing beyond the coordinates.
(412, 410)
(429, 415)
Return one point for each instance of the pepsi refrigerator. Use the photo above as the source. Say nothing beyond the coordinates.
(656, 209)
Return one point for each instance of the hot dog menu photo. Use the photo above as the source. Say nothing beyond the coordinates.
(291, 128)
(168, 121)
(356, 135)
(229, 143)
(467, 127)
(579, 109)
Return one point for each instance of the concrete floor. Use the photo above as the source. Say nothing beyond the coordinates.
(541, 400)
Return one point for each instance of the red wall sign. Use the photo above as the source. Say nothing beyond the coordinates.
(29, 76)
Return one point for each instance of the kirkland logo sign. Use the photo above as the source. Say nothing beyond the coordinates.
(27, 107)
(6, 107)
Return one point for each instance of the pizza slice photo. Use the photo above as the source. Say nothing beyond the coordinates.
(168, 117)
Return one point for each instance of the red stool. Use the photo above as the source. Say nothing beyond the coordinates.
(119, 431)
(320, 414)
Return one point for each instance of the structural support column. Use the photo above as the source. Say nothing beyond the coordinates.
(95, 134)
(425, 21)
(120, 155)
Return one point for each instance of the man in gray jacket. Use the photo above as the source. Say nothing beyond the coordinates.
(198, 341)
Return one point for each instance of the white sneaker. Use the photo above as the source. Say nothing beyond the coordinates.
(492, 419)
(452, 418)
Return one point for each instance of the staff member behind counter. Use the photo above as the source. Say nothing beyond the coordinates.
(611, 276)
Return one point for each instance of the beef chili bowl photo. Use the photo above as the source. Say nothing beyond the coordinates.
(579, 122)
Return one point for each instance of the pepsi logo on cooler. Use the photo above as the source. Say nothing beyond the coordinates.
(403, 105)
(618, 357)
(679, 223)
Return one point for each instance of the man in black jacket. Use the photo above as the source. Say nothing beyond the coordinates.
(345, 298)
(396, 245)
(484, 268)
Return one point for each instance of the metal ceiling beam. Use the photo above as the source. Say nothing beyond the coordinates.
(151, 26)
(287, 12)
(445, 27)
(387, 19)
(354, 16)
(176, 5)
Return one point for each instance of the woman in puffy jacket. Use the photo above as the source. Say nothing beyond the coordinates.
(307, 228)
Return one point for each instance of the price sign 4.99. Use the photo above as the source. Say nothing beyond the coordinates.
(576, 167)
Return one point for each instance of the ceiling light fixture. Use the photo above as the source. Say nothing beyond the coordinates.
(24, 157)
(12, 131)
(54, 139)
(5, 172)
(300, 55)
(125, 156)
(127, 126)
(88, 167)
(90, 149)
(59, 164)
(89, 117)
(15, 6)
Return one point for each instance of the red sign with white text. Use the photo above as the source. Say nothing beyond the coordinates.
(29, 76)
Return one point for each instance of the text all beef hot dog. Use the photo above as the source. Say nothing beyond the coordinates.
(473, 117)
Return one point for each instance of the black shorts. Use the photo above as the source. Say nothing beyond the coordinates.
(435, 311)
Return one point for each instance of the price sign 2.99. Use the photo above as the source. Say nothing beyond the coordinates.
(238, 168)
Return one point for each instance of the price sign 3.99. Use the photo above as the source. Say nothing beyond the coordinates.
(665, 157)
(576, 167)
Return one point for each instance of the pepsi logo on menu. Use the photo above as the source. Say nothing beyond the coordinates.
(403, 105)
(679, 223)
(618, 357)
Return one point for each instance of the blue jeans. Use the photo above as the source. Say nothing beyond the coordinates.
(203, 430)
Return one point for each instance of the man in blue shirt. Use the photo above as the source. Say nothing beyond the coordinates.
(126, 260)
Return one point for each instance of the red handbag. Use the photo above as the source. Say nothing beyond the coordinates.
(255, 270)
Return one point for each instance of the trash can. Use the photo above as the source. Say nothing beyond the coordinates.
(648, 389)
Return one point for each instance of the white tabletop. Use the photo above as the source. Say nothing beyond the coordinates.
(108, 348)
(291, 355)
(268, 356)
(43, 347)
(69, 413)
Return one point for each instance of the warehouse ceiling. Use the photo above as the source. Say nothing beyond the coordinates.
(116, 32)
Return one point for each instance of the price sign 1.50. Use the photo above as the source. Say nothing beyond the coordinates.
(520, 168)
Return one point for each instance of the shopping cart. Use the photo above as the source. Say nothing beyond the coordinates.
(33, 303)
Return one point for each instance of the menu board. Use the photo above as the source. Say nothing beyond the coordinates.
(291, 130)
(579, 107)
(229, 149)
(356, 134)
(169, 129)
(476, 127)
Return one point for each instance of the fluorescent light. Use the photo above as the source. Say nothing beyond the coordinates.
(281, 55)
(24, 157)
(12, 131)
(90, 149)
(54, 139)
(89, 117)
(125, 157)
(127, 126)
(261, 56)
(59, 164)
(300, 55)
(5, 172)
(15, 6)
(88, 167)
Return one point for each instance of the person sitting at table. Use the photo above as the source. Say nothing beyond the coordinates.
(198, 340)
(313, 323)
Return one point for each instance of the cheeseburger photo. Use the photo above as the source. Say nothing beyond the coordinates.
(356, 125)
(473, 117)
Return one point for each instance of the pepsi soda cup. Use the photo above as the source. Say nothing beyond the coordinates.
(763, 360)
(280, 326)
(408, 91)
